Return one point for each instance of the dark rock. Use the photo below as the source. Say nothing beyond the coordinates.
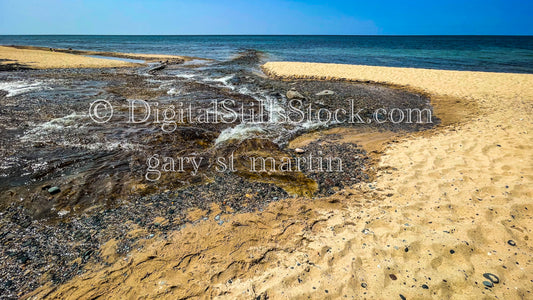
(393, 277)
(511, 242)
(157, 68)
(488, 284)
(363, 285)
(402, 297)
(425, 286)
(493, 278)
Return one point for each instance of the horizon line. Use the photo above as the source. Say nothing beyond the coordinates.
(373, 35)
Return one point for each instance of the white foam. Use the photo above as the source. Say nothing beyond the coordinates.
(103, 146)
(187, 76)
(173, 91)
(18, 87)
(54, 125)
(223, 80)
(239, 132)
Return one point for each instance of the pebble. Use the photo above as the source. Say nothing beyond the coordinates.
(511, 242)
(54, 190)
(393, 277)
(402, 297)
(299, 150)
(325, 93)
(294, 94)
(363, 285)
(425, 286)
(488, 283)
(217, 217)
(493, 278)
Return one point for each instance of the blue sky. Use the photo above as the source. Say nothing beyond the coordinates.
(265, 17)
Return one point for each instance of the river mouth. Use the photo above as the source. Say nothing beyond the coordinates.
(51, 139)
(69, 183)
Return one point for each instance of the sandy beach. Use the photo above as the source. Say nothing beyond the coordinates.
(446, 206)
(43, 58)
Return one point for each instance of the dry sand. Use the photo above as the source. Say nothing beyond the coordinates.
(440, 213)
(43, 58)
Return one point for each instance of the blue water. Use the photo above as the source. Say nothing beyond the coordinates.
(477, 53)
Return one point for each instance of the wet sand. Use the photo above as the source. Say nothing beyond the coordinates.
(447, 206)
(44, 58)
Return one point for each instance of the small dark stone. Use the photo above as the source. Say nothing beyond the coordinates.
(511, 242)
(406, 249)
(493, 278)
(86, 255)
(488, 284)
(393, 277)
(402, 297)
(326, 291)
(425, 286)
(363, 285)
(452, 251)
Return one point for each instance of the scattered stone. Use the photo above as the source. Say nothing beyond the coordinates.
(402, 297)
(294, 94)
(511, 242)
(393, 277)
(406, 249)
(363, 285)
(54, 190)
(217, 217)
(299, 150)
(493, 278)
(488, 284)
(325, 93)
(425, 287)
(452, 251)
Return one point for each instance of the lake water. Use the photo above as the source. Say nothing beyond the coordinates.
(478, 53)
